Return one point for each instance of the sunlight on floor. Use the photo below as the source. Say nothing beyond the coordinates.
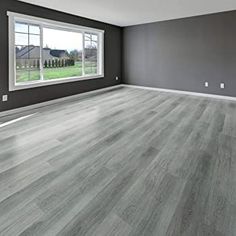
(15, 120)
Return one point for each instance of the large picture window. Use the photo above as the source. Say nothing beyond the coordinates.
(43, 52)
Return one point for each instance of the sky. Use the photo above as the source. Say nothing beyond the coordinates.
(54, 39)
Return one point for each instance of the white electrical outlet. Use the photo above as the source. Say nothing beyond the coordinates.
(206, 84)
(117, 78)
(222, 85)
(4, 98)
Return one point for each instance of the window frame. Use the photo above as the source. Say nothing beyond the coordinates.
(42, 22)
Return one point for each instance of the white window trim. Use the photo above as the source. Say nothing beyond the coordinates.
(13, 17)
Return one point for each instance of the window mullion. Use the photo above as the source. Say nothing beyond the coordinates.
(41, 51)
(83, 55)
(29, 72)
(98, 54)
(12, 45)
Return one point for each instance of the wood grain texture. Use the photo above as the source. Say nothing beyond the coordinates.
(127, 162)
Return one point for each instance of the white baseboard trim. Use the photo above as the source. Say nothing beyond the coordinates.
(182, 92)
(59, 100)
(97, 91)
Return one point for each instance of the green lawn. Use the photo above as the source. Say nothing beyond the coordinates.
(56, 73)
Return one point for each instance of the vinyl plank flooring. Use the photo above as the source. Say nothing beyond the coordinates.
(13, 157)
(112, 225)
(12, 184)
(126, 162)
(16, 224)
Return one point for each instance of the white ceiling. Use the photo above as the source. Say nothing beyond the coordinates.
(132, 12)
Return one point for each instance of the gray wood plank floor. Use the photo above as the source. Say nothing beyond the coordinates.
(126, 162)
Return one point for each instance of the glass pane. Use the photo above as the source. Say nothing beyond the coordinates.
(27, 75)
(27, 52)
(94, 37)
(34, 75)
(27, 48)
(62, 54)
(27, 70)
(34, 29)
(34, 52)
(22, 76)
(22, 64)
(34, 40)
(21, 28)
(21, 39)
(34, 64)
(21, 52)
(87, 44)
(90, 67)
(91, 53)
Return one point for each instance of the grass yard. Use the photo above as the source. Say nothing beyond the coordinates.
(56, 73)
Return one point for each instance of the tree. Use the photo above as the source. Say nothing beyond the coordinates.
(45, 64)
(75, 55)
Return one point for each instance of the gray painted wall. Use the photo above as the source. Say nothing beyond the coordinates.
(178, 54)
(113, 44)
(183, 54)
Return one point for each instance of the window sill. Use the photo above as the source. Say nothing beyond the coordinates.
(41, 83)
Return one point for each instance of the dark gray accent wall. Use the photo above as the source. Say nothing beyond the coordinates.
(113, 42)
(183, 54)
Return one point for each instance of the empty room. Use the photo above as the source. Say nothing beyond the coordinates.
(118, 118)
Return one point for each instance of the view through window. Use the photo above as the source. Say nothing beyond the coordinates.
(61, 58)
(47, 53)
(27, 47)
(91, 52)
